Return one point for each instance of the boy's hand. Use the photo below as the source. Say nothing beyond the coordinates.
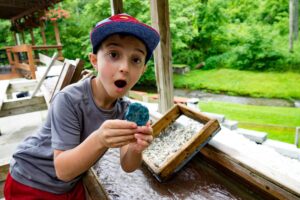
(143, 138)
(117, 133)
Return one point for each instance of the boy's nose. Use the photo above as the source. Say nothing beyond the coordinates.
(124, 67)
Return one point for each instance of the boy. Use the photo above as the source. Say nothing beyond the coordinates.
(86, 118)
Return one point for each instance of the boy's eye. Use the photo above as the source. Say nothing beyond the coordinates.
(137, 60)
(113, 54)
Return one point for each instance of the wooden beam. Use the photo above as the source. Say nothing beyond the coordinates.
(94, 189)
(116, 6)
(26, 12)
(291, 25)
(49, 65)
(32, 37)
(23, 37)
(15, 38)
(42, 28)
(57, 37)
(162, 54)
(22, 105)
(253, 177)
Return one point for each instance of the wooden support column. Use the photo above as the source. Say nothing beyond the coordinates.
(57, 37)
(162, 54)
(291, 25)
(42, 28)
(116, 6)
(15, 38)
(23, 37)
(32, 37)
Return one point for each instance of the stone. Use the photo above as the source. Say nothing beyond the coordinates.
(283, 148)
(231, 124)
(137, 113)
(256, 136)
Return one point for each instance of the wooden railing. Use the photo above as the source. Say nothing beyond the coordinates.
(21, 57)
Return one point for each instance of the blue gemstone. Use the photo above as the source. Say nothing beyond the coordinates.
(137, 113)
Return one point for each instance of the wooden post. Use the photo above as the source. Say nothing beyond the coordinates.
(162, 54)
(297, 136)
(23, 37)
(42, 28)
(15, 38)
(296, 19)
(116, 6)
(32, 37)
(57, 37)
(291, 17)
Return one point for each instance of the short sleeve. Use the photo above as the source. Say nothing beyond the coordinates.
(65, 123)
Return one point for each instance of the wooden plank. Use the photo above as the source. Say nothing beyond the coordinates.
(20, 48)
(94, 189)
(189, 148)
(22, 105)
(116, 6)
(248, 174)
(23, 66)
(79, 66)
(193, 114)
(168, 118)
(46, 60)
(28, 50)
(21, 85)
(64, 78)
(162, 54)
(49, 65)
(69, 74)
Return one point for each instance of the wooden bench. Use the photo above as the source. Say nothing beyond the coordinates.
(22, 64)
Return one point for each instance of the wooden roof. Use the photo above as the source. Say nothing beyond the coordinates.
(19, 8)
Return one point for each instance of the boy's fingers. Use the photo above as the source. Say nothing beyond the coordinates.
(145, 130)
(121, 132)
(144, 137)
(121, 140)
(120, 124)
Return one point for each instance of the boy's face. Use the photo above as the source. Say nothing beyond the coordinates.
(120, 62)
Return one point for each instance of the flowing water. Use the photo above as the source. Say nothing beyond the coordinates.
(197, 180)
(203, 96)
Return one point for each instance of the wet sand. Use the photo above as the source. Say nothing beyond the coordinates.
(197, 180)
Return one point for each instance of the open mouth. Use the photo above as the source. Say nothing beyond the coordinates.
(120, 83)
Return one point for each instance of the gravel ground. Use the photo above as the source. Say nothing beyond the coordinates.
(171, 139)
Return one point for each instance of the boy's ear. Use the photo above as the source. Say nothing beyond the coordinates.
(93, 59)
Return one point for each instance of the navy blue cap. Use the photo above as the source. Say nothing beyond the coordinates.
(125, 24)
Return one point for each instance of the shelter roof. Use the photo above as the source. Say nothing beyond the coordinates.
(15, 9)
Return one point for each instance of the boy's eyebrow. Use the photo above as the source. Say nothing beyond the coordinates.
(118, 45)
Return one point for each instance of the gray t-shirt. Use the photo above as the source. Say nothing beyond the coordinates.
(72, 117)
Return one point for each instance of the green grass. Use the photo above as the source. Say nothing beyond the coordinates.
(244, 83)
(278, 122)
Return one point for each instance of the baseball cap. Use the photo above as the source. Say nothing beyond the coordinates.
(125, 24)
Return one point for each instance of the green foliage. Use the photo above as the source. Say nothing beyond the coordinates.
(5, 35)
(148, 78)
(244, 34)
(274, 11)
(242, 83)
(278, 122)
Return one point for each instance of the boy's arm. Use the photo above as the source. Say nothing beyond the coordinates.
(73, 162)
(131, 154)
